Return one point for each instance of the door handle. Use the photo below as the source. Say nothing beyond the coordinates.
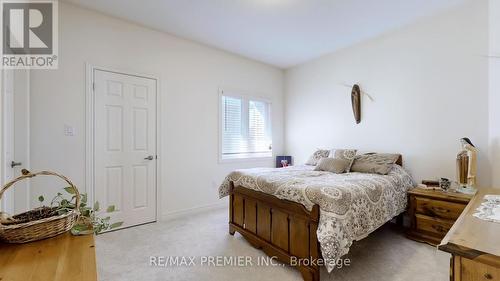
(150, 157)
(13, 164)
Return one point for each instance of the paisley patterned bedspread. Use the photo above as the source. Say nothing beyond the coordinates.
(352, 205)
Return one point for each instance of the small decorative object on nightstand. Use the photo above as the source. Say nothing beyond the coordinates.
(433, 212)
(283, 161)
(467, 167)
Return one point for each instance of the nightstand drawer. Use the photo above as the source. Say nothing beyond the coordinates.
(438, 209)
(432, 213)
(437, 226)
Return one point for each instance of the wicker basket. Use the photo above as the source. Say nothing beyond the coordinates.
(43, 228)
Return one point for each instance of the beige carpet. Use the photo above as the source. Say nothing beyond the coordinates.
(125, 255)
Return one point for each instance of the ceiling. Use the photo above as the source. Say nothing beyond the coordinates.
(282, 33)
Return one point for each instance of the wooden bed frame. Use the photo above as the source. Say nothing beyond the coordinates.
(281, 228)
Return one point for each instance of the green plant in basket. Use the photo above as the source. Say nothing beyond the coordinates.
(89, 220)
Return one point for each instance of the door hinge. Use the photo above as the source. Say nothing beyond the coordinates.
(93, 86)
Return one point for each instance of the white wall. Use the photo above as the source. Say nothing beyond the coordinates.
(429, 82)
(190, 75)
(494, 10)
(494, 17)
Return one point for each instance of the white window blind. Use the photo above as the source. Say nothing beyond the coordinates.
(246, 128)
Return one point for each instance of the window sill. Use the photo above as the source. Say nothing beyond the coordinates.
(245, 159)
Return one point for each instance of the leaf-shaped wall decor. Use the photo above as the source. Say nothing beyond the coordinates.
(356, 102)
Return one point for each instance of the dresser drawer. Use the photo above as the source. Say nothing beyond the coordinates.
(438, 208)
(473, 271)
(436, 226)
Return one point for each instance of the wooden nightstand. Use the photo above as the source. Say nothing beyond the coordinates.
(432, 213)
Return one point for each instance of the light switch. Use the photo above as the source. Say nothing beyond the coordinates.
(69, 131)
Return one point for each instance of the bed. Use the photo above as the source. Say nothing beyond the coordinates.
(310, 218)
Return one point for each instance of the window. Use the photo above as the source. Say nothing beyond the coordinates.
(245, 127)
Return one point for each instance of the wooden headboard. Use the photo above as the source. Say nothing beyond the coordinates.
(400, 160)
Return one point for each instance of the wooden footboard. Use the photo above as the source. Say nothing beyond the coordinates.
(282, 229)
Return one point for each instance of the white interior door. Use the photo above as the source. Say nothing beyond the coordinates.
(16, 126)
(125, 146)
(7, 137)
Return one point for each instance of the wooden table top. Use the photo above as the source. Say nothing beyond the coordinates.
(64, 257)
(439, 194)
(474, 238)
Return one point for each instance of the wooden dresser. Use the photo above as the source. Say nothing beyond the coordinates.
(432, 213)
(474, 245)
(64, 257)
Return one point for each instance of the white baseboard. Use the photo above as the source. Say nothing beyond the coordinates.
(192, 211)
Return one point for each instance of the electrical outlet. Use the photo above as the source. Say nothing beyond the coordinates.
(69, 131)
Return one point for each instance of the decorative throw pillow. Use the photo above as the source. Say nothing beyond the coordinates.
(317, 155)
(334, 165)
(374, 163)
(344, 154)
